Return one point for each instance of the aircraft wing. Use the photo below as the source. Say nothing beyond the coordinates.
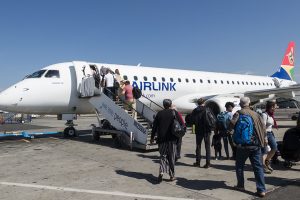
(285, 92)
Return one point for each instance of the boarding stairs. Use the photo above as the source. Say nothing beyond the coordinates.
(133, 132)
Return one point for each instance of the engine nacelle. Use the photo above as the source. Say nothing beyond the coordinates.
(217, 104)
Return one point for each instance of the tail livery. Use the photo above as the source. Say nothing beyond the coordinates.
(286, 70)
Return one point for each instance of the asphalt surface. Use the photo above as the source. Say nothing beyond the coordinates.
(80, 168)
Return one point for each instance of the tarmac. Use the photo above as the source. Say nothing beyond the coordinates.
(80, 168)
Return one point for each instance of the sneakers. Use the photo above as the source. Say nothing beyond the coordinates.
(172, 178)
(160, 178)
(207, 165)
(268, 165)
(267, 170)
(242, 189)
(196, 164)
(261, 194)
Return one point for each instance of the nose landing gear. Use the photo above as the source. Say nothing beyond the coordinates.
(70, 131)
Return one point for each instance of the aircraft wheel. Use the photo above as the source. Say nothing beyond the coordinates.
(70, 132)
(294, 117)
(96, 135)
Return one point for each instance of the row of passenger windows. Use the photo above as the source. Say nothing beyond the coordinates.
(145, 78)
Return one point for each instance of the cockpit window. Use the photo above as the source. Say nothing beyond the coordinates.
(37, 74)
(52, 74)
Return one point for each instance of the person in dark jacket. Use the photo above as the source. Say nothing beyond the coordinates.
(202, 132)
(166, 140)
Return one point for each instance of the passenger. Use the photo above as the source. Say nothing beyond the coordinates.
(223, 129)
(253, 152)
(179, 140)
(129, 100)
(118, 79)
(202, 132)
(109, 84)
(216, 143)
(165, 139)
(96, 75)
(269, 121)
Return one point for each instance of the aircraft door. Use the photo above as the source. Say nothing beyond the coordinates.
(88, 79)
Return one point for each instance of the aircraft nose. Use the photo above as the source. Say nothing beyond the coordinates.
(7, 100)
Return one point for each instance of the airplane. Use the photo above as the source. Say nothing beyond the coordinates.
(56, 89)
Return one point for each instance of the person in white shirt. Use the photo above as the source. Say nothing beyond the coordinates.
(109, 84)
(268, 117)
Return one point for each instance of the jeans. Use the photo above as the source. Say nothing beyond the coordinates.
(199, 138)
(271, 142)
(227, 139)
(255, 156)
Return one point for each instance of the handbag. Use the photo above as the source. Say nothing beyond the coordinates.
(177, 129)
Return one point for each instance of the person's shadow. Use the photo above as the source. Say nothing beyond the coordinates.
(206, 185)
(138, 175)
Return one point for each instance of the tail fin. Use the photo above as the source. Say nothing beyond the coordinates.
(286, 71)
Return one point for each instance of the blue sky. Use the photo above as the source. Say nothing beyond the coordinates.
(238, 36)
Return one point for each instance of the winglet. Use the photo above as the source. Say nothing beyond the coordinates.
(286, 70)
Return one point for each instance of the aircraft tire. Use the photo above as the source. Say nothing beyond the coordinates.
(95, 135)
(70, 132)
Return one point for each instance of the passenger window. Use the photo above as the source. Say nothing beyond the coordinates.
(238, 82)
(179, 79)
(154, 78)
(243, 83)
(263, 83)
(251, 83)
(201, 81)
(267, 84)
(171, 79)
(246, 83)
(216, 82)
(227, 82)
(37, 74)
(222, 82)
(145, 78)
(135, 78)
(125, 77)
(208, 81)
(186, 80)
(254, 83)
(163, 79)
(52, 74)
(233, 82)
(194, 81)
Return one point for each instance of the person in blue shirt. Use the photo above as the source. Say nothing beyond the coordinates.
(223, 128)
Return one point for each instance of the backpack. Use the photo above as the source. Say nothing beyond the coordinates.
(136, 92)
(177, 129)
(244, 131)
(210, 119)
(222, 121)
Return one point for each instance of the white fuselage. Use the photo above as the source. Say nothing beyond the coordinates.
(59, 95)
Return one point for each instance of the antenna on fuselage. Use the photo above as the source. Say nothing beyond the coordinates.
(139, 65)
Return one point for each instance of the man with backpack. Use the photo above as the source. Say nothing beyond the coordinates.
(223, 121)
(249, 136)
(204, 121)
